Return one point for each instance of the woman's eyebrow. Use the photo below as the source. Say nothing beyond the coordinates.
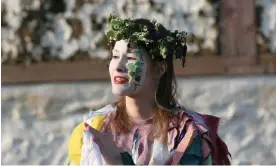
(115, 50)
(132, 51)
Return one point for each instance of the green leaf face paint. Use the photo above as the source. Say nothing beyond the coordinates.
(131, 73)
(135, 69)
(137, 64)
(138, 70)
(134, 72)
(130, 66)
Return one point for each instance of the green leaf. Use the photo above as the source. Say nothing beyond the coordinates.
(119, 36)
(131, 74)
(138, 70)
(163, 52)
(110, 34)
(130, 66)
(137, 64)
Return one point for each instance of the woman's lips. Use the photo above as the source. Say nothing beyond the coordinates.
(120, 80)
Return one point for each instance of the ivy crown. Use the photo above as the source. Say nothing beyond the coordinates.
(158, 41)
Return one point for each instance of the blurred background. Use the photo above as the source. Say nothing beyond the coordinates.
(53, 55)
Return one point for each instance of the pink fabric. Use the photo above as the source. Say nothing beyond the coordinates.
(176, 123)
(124, 141)
(205, 148)
(183, 145)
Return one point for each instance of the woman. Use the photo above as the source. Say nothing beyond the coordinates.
(146, 125)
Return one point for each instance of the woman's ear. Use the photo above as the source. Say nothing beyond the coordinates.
(159, 69)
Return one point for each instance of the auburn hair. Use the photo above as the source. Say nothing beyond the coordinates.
(165, 96)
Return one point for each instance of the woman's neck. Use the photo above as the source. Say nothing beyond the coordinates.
(140, 108)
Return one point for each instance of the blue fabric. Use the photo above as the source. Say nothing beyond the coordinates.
(127, 159)
(193, 155)
(207, 160)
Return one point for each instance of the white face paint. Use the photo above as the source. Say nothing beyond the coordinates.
(127, 69)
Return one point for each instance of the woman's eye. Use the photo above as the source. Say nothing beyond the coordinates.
(115, 57)
(131, 58)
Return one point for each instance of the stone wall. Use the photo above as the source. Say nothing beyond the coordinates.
(37, 119)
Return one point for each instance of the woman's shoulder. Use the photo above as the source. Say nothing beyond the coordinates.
(205, 128)
(184, 116)
(107, 109)
(96, 117)
(189, 136)
(195, 124)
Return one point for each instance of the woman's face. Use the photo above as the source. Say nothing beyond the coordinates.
(129, 70)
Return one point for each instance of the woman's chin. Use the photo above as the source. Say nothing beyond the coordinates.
(119, 93)
(123, 92)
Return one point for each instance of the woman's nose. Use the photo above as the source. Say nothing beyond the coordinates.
(119, 69)
(121, 66)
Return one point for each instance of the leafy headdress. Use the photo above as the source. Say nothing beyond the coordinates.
(159, 42)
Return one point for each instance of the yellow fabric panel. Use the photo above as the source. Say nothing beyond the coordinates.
(75, 141)
(97, 122)
(75, 144)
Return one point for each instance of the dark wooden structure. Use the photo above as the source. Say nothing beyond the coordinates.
(91, 70)
(238, 35)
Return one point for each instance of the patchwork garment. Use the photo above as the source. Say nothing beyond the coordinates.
(190, 142)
